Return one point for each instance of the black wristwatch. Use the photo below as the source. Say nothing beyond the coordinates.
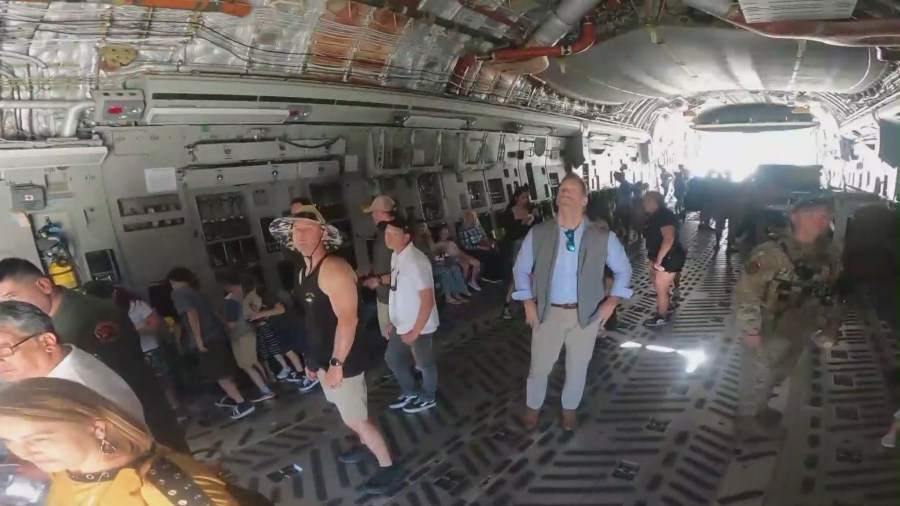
(334, 362)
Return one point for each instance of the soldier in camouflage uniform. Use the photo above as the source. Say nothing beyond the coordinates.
(786, 298)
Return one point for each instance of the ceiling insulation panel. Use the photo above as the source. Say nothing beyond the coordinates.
(759, 11)
(698, 60)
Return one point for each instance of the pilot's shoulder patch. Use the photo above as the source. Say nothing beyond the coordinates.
(107, 332)
(751, 267)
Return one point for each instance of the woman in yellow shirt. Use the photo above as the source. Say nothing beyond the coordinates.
(95, 454)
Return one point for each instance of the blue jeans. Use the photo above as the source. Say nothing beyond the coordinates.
(398, 357)
(451, 278)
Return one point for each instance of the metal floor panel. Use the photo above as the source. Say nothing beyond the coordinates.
(649, 434)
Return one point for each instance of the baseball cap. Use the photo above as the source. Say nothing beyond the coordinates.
(402, 223)
(381, 203)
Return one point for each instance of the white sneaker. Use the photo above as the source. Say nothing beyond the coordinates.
(284, 374)
(474, 286)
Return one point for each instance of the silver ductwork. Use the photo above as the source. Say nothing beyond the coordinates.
(74, 109)
(564, 19)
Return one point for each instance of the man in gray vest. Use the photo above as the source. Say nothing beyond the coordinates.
(559, 277)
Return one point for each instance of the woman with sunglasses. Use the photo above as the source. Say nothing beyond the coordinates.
(96, 453)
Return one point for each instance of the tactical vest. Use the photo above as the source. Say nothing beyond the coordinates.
(807, 282)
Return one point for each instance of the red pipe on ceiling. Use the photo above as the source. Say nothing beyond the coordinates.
(585, 41)
(493, 15)
(457, 83)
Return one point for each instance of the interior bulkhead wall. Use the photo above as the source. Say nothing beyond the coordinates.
(202, 196)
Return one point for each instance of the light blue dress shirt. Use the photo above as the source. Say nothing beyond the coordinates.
(562, 289)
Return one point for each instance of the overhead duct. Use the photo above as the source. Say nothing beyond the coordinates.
(856, 33)
(532, 58)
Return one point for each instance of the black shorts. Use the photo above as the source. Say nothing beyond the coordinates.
(673, 261)
(217, 362)
(157, 360)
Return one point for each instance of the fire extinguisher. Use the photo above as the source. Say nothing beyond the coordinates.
(54, 250)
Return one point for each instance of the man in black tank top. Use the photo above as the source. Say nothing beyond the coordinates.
(327, 293)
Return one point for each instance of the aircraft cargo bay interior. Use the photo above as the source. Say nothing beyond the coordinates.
(449, 252)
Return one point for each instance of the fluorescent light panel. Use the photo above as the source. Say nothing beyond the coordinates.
(217, 116)
(40, 158)
(436, 122)
(535, 130)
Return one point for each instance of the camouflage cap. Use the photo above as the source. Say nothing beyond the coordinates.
(813, 202)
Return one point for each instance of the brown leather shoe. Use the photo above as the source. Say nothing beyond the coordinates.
(530, 418)
(569, 420)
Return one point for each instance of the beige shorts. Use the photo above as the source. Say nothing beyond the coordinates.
(384, 318)
(350, 399)
(244, 348)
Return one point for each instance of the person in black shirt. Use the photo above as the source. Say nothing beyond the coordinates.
(679, 189)
(327, 293)
(516, 220)
(664, 251)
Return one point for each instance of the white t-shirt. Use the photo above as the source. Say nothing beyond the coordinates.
(82, 367)
(410, 274)
(138, 314)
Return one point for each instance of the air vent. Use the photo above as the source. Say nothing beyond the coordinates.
(12, 159)
(218, 116)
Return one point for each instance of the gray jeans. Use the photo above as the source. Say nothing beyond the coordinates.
(400, 357)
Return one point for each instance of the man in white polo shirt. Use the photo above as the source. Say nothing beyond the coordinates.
(29, 348)
(414, 319)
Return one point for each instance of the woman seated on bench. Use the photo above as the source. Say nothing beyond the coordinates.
(470, 265)
(448, 273)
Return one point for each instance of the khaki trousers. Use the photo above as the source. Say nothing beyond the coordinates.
(547, 339)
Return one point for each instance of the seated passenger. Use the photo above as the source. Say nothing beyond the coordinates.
(447, 247)
(209, 337)
(476, 243)
(449, 273)
(243, 337)
(98, 453)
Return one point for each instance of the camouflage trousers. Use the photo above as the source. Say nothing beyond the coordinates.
(766, 367)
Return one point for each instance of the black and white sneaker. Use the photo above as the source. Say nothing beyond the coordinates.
(492, 281)
(307, 384)
(382, 481)
(403, 401)
(241, 410)
(263, 396)
(506, 314)
(226, 402)
(295, 377)
(656, 321)
(419, 405)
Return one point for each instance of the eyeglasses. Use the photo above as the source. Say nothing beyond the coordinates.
(570, 240)
(9, 350)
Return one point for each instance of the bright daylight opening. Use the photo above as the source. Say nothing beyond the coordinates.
(738, 154)
(693, 359)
